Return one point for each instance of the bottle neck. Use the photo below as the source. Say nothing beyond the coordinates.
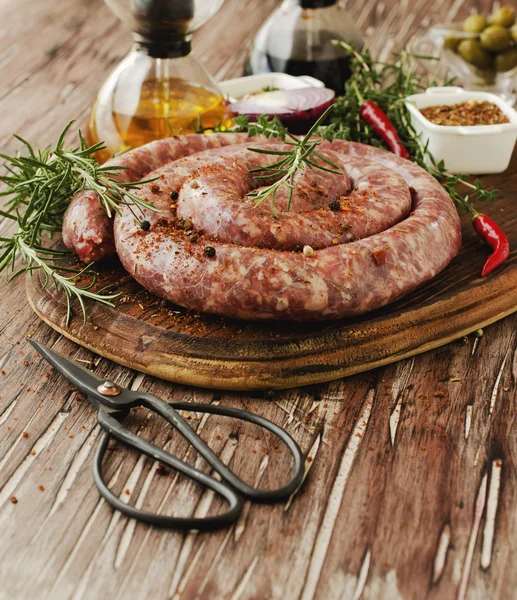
(316, 3)
(162, 46)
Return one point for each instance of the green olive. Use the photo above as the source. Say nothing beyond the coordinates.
(474, 24)
(486, 77)
(504, 16)
(451, 42)
(495, 38)
(513, 32)
(473, 52)
(506, 61)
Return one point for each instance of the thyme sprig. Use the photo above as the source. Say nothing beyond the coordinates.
(302, 154)
(39, 185)
(388, 84)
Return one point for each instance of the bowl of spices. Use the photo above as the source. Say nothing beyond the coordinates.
(472, 132)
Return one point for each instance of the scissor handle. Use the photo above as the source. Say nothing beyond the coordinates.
(168, 412)
(112, 427)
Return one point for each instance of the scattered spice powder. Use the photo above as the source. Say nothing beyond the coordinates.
(469, 113)
(161, 469)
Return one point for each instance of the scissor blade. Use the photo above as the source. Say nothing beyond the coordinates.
(78, 376)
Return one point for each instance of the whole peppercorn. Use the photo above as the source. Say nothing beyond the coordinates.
(193, 238)
(298, 248)
(174, 195)
(335, 205)
(145, 225)
(209, 251)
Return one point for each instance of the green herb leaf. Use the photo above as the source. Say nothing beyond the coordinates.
(40, 185)
(300, 156)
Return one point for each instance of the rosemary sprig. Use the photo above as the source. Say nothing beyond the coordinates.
(303, 154)
(388, 85)
(39, 258)
(40, 185)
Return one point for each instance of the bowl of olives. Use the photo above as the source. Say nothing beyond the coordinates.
(481, 52)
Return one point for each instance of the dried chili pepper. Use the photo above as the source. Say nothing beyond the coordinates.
(489, 231)
(495, 237)
(383, 127)
(374, 116)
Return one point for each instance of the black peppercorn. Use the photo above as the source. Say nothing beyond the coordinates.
(298, 248)
(193, 238)
(335, 205)
(145, 225)
(209, 251)
(174, 195)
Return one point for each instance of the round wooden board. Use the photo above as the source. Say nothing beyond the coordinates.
(169, 342)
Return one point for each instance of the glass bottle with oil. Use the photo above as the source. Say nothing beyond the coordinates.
(159, 89)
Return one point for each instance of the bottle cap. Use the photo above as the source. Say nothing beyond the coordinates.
(159, 46)
(162, 28)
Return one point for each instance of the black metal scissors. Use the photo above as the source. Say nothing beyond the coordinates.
(113, 403)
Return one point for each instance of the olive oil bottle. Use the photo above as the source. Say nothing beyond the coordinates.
(158, 89)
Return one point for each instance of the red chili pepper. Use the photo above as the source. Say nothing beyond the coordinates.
(495, 237)
(374, 116)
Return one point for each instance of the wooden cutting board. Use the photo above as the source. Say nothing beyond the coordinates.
(149, 335)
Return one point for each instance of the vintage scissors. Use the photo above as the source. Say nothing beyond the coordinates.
(113, 403)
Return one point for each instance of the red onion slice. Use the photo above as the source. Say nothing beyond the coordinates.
(297, 109)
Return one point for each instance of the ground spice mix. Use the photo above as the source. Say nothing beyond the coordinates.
(472, 112)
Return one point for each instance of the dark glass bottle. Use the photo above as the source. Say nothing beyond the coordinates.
(296, 39)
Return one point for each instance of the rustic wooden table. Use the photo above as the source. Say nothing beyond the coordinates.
(412, 489)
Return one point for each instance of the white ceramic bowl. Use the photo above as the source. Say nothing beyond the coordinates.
(252, 84)
(475, 149)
